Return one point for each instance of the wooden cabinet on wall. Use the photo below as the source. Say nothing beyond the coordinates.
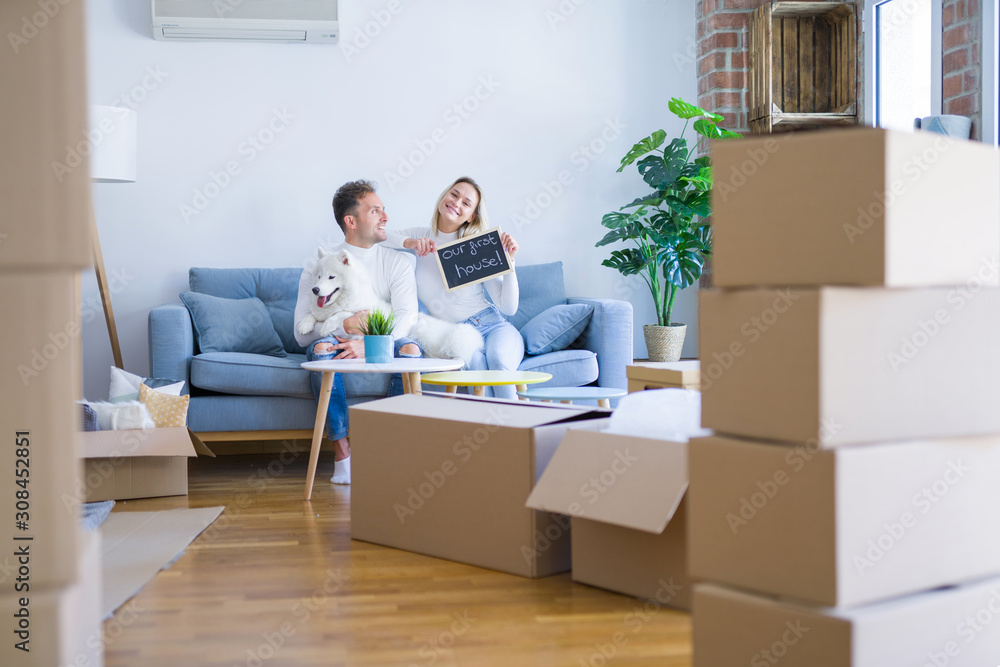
(803, 66)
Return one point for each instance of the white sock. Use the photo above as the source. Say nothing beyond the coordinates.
(342, 472)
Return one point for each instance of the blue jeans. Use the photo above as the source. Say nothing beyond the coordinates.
(504, 348)
(336, 414)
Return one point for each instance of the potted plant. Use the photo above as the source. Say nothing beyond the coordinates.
(670, 236)
(377, 329)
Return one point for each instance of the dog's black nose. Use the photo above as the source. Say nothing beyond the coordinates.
(316, 291)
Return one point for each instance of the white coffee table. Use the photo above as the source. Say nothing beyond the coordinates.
(410, 369)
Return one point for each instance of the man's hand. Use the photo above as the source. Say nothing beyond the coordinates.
(422, 246)
(352, 324)
(353, 348)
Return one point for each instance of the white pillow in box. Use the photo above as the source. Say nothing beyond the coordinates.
(664, 414)
(125, 386)
(117, 416)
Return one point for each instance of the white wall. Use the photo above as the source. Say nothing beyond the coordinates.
(557, 86)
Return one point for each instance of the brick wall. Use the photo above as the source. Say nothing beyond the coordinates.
(961, 63)
(723, 46)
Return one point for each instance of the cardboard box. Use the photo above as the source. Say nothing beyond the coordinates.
(840, 365)
(62, 625)
(845, 526)
(625, 497)
(448, 476)
(46, 212)
(40, 360)
(663, 375)
(953, 627)
(854, 207)
(137, 463)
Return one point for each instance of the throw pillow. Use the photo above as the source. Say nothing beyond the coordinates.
(166, 410)
(125, 386)
(232, 325)
(556, 327)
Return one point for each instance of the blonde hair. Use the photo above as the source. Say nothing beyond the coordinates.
(479, 220)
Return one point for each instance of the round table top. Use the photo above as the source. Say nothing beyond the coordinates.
(397, 365)
(485, 378)
(572, 393)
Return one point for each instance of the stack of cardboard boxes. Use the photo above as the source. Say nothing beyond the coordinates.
(846, 512)
(49, 568)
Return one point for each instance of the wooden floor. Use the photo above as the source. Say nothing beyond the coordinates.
(278, 581)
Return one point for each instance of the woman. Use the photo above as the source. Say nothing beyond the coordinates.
(461, 212)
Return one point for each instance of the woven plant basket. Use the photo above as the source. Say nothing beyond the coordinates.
(664, 343)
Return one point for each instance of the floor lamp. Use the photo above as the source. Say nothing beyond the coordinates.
(112, 160)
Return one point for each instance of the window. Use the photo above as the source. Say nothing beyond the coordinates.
(903, 61)
(991, 89)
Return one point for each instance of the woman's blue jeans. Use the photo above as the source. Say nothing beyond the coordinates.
(336, 414)
(504, 348)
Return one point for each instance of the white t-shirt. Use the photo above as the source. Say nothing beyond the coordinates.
(391, 274)
(464, 302)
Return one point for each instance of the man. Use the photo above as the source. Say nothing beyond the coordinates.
(362, 218)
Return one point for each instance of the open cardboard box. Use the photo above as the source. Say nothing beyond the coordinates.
(625, 497)
(447, 476)
(953, 627)
(137, 463)
(846, 526)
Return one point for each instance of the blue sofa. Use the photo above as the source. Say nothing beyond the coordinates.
(254, 396)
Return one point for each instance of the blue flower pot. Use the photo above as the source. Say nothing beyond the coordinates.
(378, 349)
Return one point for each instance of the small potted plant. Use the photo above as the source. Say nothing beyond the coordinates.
(667, 228)
(377, 329)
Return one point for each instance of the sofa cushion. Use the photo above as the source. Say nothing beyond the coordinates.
(541, 287)
(232, 325)
(569, 368)
(277, 288)
(556, 327)
(251, 374)
(252, 413)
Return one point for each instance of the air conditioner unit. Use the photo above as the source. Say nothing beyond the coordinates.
(306, 21)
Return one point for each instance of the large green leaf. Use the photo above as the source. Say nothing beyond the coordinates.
(683, 263)
(657, 173)
(702, 181)
(682, 109)
(649, 200)
(615, 219)
(705, 235)
(650, 143)
(627, 262)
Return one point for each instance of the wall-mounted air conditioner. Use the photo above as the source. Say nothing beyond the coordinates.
(306, 21)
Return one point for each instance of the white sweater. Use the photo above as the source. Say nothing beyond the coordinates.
(464, 302)
(391, 274)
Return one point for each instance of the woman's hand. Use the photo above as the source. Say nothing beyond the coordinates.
(509, 244)
(422, 246)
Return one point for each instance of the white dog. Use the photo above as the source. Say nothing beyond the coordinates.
(342, 287)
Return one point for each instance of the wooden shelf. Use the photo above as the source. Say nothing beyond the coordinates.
(803, 66)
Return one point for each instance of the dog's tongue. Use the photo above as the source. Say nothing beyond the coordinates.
(321, 301)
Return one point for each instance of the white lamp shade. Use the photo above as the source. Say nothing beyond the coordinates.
(113, 132)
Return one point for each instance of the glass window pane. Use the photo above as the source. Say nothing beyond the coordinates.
(903, 69)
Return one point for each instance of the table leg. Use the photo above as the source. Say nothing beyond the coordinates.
(522, 387)
(604, 403)
(414, 382)
(479, 390)
(451, 389)
(406, 382)
(326, 388)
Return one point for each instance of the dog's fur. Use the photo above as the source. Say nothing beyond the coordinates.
(342, 287)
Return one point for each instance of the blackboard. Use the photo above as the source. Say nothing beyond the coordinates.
(473, 259)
